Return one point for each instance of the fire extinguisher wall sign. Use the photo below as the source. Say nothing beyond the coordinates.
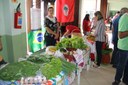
(18, 18)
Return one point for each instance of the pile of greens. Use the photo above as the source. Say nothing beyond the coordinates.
(75, 42)
(17, 70)
(39, 59)
(52, 69)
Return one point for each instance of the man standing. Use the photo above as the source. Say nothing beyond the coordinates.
(122, 67)
(115, 23)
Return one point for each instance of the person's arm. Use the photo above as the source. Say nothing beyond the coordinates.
(123, 34)
(66, 33)
(50, 31)
(97, 29)
(58, 28)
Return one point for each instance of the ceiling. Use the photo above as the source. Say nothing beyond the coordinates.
(118, 0)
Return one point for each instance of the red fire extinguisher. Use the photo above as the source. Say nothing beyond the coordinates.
(18, 18)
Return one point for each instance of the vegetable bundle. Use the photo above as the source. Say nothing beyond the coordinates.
(52, 69)
(75, 42)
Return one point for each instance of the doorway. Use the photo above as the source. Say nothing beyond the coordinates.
(35, 25)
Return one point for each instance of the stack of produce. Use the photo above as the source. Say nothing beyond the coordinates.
(71, 45)
(57, 65)
(52, 68)
(17, 70)
(75, 42)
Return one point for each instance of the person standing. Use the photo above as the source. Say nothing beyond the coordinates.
(86, 24)
(122, 67)
(115, 23)
(99, 35)
(52, 31)
(116, 15)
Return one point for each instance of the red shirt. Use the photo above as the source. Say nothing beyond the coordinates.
(72, 28)
(86, 26)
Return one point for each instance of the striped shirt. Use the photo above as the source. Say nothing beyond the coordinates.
(100, 31)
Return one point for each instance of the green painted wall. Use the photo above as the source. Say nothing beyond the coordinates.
(4, 50)
(19, 46)
(14, 47)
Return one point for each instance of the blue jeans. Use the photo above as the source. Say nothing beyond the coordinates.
(122, 66)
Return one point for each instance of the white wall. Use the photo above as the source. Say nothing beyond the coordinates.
(117, 4)
(7, 17)
(12, 10)
(2, 26)
(7, 9)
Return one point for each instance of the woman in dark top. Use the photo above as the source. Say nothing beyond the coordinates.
(52, 33)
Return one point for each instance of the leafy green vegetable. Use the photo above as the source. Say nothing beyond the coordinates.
(52, 69)
(39, 59)
(17, 70)
(75, 42)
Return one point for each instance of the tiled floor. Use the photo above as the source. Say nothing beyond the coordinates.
(97, 76)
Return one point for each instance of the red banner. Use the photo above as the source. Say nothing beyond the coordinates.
(65, 10)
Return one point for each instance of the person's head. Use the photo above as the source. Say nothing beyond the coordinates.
(123, 10)
(118, 12)
(50, 11)
(87, 17)
(98, 15)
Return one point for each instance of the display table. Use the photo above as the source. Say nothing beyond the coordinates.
(61, 79)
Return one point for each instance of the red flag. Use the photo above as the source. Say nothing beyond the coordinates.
(65, 10)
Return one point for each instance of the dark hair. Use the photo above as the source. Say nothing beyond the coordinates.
(50, 8)
(99, 15)
(86, 17)
(123, 10)
(118, 12)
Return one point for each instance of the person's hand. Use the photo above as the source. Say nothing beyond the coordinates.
(56, 36)
(95, 34)
(62, 38)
